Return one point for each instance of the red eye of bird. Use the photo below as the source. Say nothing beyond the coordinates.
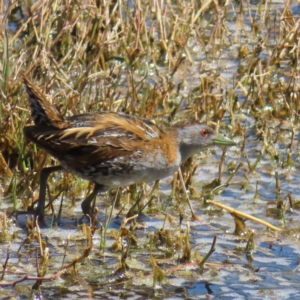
(204, 133)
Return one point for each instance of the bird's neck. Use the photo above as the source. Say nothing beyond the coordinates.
(185, 150)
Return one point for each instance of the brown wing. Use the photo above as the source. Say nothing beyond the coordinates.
(112, 124)
(94, 141)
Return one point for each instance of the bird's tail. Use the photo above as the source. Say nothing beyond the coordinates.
(42, 112)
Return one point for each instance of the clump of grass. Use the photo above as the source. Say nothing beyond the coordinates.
(160, 60)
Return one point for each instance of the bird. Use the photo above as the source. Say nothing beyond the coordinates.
(110, 149)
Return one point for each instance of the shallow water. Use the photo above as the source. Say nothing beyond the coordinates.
(270, 270)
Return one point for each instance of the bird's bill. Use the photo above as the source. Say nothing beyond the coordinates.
(223, 141)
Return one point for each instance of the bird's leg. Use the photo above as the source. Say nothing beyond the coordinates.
(45, 173)
(40, 211)
(88, 204)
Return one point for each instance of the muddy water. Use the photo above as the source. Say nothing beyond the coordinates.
(268, 270)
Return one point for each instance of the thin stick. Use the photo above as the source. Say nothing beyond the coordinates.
(6, 261)
(243, 215)
(210, 252)
(194, 216)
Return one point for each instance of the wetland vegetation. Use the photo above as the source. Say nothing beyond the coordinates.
(231, 64)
